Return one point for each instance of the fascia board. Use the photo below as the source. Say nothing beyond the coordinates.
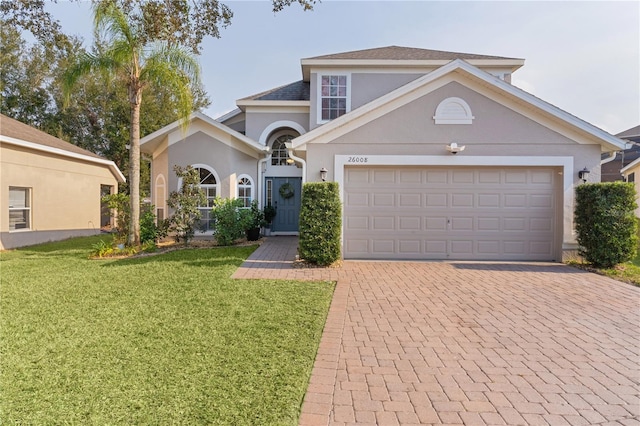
(174, 132)
(613, 142)
(57, 151)
(308, 64)
(631, 165)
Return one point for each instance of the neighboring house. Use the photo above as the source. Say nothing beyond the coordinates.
(631, 173)
(612, 166)
(389, 125)
(51, 189)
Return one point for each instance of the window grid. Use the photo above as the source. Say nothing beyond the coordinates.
(245, 190)
(333, 96)
(19, 208)
(269, 192)
(279, 153)
(209, 185)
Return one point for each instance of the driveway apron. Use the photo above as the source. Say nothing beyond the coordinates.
(469, 343)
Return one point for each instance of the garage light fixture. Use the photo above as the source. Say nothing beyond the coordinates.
(584, 174)
(323, 174)
(454, 148)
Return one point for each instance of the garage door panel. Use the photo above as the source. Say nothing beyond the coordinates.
(482, 213)
(383, 200)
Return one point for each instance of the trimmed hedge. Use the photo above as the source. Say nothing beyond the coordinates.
(320, 223)
(606, 223)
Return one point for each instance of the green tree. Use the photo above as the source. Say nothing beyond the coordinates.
(137, 63)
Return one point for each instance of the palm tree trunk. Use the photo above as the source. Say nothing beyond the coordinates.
(134, 168)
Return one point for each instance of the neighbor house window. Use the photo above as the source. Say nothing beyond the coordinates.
(334, 96)
(279, 154)
(19, 208)
(245, 190)
(631, 177)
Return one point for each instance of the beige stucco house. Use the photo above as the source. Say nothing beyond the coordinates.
(49, 189)
(437, 155)
(631, 173)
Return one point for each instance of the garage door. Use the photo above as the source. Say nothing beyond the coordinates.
(482, 213)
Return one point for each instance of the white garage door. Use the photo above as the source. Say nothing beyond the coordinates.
(481, 213)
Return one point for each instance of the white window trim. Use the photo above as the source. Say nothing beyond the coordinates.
(217, 185)
(251, 186)
(464, 118)
(27, 208)
(319, 76)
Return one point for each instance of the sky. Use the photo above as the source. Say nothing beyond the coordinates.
(583, 57)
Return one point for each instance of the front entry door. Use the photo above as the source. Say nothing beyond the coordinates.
(287, 209)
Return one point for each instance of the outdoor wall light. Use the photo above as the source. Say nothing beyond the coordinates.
(323, 174)
(584, 174)
(454, 148)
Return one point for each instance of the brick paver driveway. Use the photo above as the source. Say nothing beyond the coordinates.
(475, 344)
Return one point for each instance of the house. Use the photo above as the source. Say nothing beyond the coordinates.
(50, 189)
(631, 173)
(613, 164)
(436, 154)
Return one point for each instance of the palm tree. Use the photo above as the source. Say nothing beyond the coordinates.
(139, 65)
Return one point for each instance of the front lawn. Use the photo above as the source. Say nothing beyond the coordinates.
(628, 272)
(164, 339)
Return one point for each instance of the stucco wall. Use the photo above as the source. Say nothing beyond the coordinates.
(365, 87)
(65, 195)
(258, 122)
(495, 131)
(227, 162)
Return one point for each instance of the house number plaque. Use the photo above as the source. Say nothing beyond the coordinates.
(359, 160)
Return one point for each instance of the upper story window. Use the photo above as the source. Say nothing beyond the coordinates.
(334, 96)
(279, 153)
(19, 208)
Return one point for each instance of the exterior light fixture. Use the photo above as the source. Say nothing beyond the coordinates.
(454, 148)
(584, 174)
(323, 174)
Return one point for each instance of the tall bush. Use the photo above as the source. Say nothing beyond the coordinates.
(230, 218)
(320, 223)
(605, 222)
(185, 203)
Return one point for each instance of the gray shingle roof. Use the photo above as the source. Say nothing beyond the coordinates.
(18, 130)
(404, 53)
(297, 91)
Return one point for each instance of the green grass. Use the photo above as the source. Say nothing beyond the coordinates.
(165, 339)
(628, 272)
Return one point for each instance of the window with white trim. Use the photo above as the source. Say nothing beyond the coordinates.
(209, 184)
(19, 209)
(245, 190)
(279, 153)
(334, 96)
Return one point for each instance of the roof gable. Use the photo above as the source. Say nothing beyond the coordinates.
(151, 142)
(463, 72)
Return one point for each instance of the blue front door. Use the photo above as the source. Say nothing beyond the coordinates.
(287, 207)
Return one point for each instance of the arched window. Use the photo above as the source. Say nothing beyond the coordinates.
(279, 154)
(209, 184)
(245, 190)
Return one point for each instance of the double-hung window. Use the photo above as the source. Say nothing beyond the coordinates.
(19, 208)
(334, 96)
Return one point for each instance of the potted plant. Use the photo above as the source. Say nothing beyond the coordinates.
(253, 221)
(269, 213)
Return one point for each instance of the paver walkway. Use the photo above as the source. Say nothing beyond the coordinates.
(468, 343)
